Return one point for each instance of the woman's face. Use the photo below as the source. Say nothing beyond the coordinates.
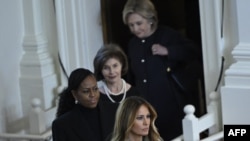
(87, 93)
(111, 70)
(139, 26)
(141, 122)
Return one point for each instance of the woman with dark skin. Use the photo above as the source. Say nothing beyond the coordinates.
(155, 56)
(80, 115)
(110, 64)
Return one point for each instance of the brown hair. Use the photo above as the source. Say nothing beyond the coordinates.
(106, 52)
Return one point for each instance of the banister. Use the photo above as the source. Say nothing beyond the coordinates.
(193, 126)
(39, 124)
(46, 136)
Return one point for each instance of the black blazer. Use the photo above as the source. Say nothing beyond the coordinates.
(73, 126)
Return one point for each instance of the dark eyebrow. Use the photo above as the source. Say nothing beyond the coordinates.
(91, 87)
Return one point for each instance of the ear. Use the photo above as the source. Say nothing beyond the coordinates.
(74, 94)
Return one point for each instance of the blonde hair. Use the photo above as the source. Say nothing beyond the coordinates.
(144, 8)
(125, 117)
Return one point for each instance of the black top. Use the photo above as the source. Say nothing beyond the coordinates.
(117, 98)
(148, 73)
(83, 124)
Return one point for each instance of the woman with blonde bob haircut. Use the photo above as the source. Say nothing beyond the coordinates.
(135, 120)
(144, 8)
(158, 60)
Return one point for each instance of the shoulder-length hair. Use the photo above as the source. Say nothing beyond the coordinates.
(104, 54)
(125, 116)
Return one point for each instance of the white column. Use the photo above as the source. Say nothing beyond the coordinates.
(37, 74)
(235, 94)
(210, 18)
(79, 33)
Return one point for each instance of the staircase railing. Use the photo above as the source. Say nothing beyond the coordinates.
(193, 126)
(39, 125)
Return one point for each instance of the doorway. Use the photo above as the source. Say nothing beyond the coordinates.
(181, 15)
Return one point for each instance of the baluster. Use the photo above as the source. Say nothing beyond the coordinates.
(215, 108)
(190, 124)
(37, 123)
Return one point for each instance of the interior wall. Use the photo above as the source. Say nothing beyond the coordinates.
(11, 42)
(11, 37)
(11, 27)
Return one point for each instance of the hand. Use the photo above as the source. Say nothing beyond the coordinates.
(158, 49)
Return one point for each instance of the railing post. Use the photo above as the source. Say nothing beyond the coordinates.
(215, 108)
(190, 124)
(37, 121)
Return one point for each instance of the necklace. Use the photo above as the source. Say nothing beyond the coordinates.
(108, 92)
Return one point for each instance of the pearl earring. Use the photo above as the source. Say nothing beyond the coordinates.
(76, 101)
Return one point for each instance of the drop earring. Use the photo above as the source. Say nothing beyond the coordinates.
(76, 101)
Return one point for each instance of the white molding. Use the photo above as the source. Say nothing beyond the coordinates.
(37, 72)
(79, 33)
(242, 52)
(61, 22)
(212, 44)
(236, 91)
(235, 103)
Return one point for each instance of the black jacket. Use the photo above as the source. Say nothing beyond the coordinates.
(150, 74)
(73, 126)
